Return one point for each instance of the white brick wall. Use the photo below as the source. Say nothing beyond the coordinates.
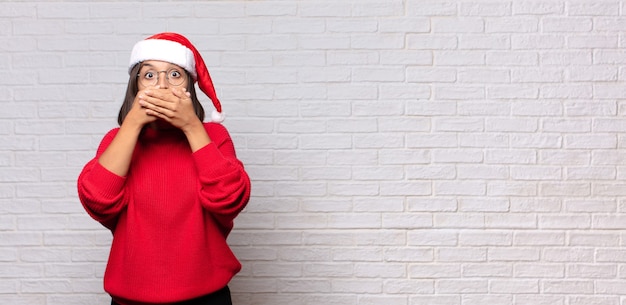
(402, 152)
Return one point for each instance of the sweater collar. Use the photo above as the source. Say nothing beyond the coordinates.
(152, 134)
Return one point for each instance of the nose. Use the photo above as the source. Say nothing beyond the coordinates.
(162, 81)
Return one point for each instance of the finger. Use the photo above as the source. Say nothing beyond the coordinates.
(145, 100)
(181, 93)
(147, 89)
(154, 107)
(159, 112)
(163, 94)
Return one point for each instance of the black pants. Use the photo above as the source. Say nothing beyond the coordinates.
(220, 297)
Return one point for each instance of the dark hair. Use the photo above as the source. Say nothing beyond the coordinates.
(132, 88)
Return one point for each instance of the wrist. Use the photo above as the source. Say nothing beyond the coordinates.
(193, 127)
(132, 126)
(196, 135)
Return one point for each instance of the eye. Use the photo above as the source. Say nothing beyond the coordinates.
(149, 74)
(175, 74)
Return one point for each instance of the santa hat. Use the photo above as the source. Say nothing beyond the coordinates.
(176, 49)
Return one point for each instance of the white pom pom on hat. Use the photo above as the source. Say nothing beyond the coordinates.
(176, 49)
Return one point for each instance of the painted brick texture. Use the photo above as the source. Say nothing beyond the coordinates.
(402, 152)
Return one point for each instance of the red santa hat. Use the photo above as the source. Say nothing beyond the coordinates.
(176, 49)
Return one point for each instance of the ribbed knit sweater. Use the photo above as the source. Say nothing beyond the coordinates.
(170, 215)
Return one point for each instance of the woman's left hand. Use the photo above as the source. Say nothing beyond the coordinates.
(172, 105)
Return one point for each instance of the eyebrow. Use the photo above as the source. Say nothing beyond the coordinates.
(170, 66)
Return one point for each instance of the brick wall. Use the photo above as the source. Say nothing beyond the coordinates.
(402, 152)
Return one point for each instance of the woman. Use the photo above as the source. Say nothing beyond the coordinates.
(167, 185)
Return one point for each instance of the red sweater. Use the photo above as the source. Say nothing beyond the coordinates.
(169, 216)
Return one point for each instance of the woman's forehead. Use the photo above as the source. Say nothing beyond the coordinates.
(159, 64)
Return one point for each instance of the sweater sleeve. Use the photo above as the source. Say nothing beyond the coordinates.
(225, 186)
(101, 191)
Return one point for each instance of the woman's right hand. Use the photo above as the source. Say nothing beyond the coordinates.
(118, 155)
(137, 116)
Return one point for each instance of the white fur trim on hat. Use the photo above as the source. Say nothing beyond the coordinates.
(164, 50)
(217, 117)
